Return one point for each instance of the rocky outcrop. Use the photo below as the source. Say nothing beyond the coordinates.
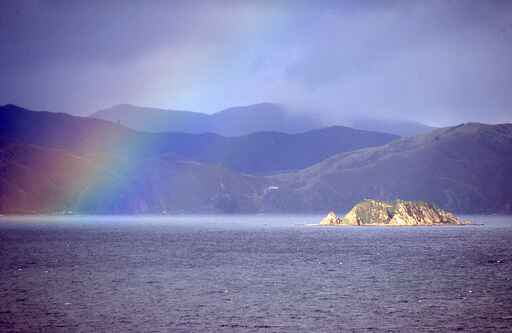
(399, 212)
(331, 219)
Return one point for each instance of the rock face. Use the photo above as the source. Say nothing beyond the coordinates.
(331, 219)
(399, 212)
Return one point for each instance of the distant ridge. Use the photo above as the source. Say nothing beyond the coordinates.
(154, 119)
(271, 152)
(242, 120)
(465, 168)
(403, 128)
(234, 121)
(257, 153)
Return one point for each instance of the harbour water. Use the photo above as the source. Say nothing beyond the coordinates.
(252, 274)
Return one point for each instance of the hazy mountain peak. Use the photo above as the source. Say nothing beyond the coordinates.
(123, 107)
(234, 121)
(241, 120)
(258, 107)
(11, 107)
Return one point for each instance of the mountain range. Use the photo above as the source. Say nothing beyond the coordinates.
(234, 121)
(53, 162)
(237, 121)
(465, 168)
(257, 153)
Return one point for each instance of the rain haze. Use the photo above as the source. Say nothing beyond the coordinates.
(436, 62)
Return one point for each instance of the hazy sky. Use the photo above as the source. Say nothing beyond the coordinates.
(440, 62)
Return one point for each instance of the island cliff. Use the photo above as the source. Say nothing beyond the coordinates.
(399, 212)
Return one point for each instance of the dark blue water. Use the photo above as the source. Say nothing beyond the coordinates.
(252, 274)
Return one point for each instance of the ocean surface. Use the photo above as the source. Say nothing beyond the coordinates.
(252, 274)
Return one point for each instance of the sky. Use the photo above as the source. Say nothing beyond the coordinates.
(437, 62)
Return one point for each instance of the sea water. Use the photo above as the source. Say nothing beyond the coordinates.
(252, 274)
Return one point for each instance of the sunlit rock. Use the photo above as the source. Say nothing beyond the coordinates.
(331, 219)
(399, 212)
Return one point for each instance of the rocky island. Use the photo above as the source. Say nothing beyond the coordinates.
(399, 212)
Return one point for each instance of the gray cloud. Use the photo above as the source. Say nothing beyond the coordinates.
(440, 62)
